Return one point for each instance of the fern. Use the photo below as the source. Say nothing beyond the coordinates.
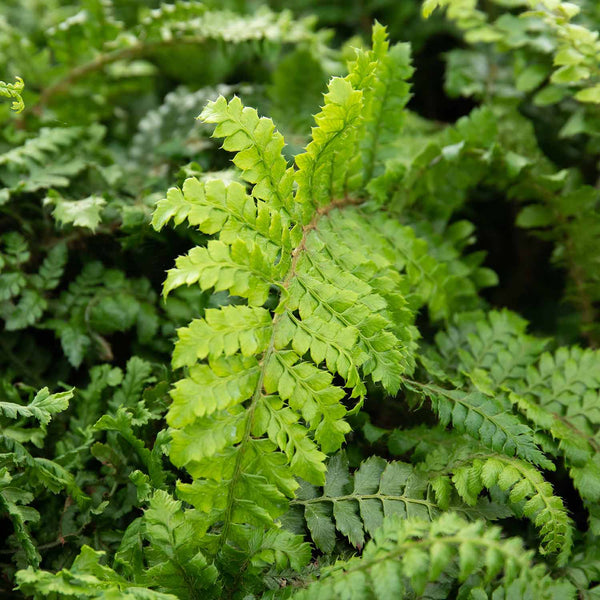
(86, 48)
(557, 393)
(24, 296)
(252, 438)
(166, 129)
(174, 562)
(383, 73)
(13, 90)
(574, 47)
(42, 407)
(86, 578)
(529, 494)
(483, 419)
(97, 303)
(266, 411)
(357, 504)
(548, 398)
(22, 474)
(326, 309)
(48, 160)
(469, 551)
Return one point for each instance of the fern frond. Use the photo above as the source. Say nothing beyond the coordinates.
(50, 159)
(561, 396)
(258, 148)
(174, 561)
(357, 504)
(43, 407)
(86, 578)
(223, 332)
(121, 422)
(385, 96)
(24, 476)
(169, 26)
(490, 350)
(13, 90)
(325, 167)
(554, 18)
(166, 128)
(213, 206)
(485, 420)
(46, 474)
(243, 269)
(405, 555)
(13, 503)
(277, 410)
(469, 470)
(195, 19)
(558, 393)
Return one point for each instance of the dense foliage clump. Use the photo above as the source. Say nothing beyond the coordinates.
(371, 368)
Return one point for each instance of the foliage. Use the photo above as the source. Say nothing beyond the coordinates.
(13, 90)
(338, 393)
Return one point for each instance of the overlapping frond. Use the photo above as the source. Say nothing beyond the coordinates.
(263, 406)
(383, 73)
(485, 420)
(258, 148)
(357, 504)
(405, 555)
(558, 394)
(326, 166)
(87, 578)
(470, 470)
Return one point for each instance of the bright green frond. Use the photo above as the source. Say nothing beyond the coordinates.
(225, 331)
(257, 146)
(13, 90)
(43, 407)
(469, 470)
(325, 167)
(384, 97)
(408, 554)
(243, 269)
(86, 578)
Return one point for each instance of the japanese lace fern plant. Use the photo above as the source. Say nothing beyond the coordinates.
(318, 310)
(320, 277)
(279, 370)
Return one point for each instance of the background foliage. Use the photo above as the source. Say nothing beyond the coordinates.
(379, 336)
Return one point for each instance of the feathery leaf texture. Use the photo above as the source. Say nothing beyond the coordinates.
(43, 407)
(172, 561)
(51, 159)
(262, 406)
(87, 578)
(484, 420)
(383, 73)
(23, 475)
(559, 394)
(356, 504)
(13, 503)
(13, 90)
(469, 470)
(257, 146)
(405, 555)
(574, 47)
